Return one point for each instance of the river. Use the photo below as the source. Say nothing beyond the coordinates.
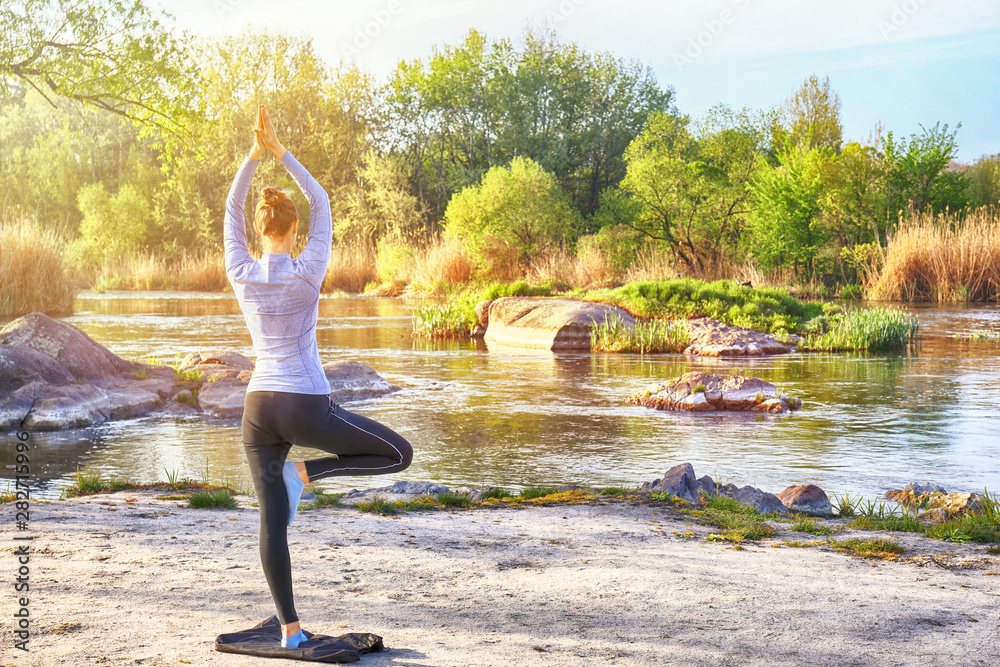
(512, 418)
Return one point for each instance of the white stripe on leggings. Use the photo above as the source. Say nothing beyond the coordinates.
(371, 434)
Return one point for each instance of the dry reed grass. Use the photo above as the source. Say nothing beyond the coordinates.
(444, 259)
(33, 275)
(351, 268)
(204, 271)
(951, 257)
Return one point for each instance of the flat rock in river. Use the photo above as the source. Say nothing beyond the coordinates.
(705, 392)
(546, 324)
(712, 338)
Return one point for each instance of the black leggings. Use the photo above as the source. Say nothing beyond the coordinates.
(273, 421)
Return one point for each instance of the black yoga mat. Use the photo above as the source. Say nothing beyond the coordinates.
(264, 640)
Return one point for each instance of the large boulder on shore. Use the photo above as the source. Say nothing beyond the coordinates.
(546, 324)
(712, 338)
(706, 392)
(78, 353)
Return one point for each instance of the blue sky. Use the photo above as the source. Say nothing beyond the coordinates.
(899, 62)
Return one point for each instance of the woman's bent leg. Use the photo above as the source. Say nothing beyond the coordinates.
(362, 445)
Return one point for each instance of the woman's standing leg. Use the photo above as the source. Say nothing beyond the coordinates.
(266, 453)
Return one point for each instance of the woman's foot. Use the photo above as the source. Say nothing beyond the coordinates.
(294, 486)
(293, 641)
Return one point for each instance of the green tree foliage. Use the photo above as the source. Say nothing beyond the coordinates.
(811, 116)
(381, 207)
(479, 104)
(984, 181)
(515, 214)
(689, 187)
(113, 225)
(115, 55)
(326, 116)
(855, 199)
(787, 229)
(918, 170)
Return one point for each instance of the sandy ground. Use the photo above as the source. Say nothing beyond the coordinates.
(152, 583)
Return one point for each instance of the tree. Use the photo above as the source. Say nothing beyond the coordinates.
(984, 181)
(479, 104)
(689, 188)
(114, 55)
(113, 225)
(855, 202)
(514, 215)
(918, 170)
(786, 226)
(811, 116)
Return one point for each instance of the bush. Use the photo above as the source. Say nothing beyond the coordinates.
(515, 214)
(112, 226)
(767, 309)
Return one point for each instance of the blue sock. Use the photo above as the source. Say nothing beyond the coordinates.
(293, 641)
(294, 484)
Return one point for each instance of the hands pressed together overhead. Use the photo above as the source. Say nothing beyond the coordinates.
(265, 136)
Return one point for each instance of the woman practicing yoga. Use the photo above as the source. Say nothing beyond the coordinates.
(288, 399)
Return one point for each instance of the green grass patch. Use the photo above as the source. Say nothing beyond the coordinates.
(618, 491)
(324, 500)
(449, 499)
(378, 505)
(646, 337)
(497, 493)
(766, 309)
(872, 330)
(906, 523)
(876, 548)
(739, 522)
(87, 482)
(452, 319)
(533, 492)
(967, 528)
(811, 526)
(216, 498)
(669, 498)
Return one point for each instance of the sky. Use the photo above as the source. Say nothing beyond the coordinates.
(901, 63)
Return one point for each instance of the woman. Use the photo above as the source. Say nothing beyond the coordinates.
(288, 399)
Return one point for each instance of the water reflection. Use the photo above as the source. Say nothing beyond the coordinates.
(513, 418)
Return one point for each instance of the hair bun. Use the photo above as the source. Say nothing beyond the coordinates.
(271, 196)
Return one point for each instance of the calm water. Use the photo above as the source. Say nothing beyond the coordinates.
(515, 418)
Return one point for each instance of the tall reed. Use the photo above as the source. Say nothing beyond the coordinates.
(33, 275)
(873, 329)
(351, 268)
(953, 257)
(646, 337)
(203, 271)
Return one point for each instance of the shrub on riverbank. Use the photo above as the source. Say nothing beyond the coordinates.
(767, 309)
(943, 258)
(33, 275)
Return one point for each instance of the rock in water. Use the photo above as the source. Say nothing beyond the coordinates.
(808, 499)
(546, 324)
(712, 338)
(716, 393)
